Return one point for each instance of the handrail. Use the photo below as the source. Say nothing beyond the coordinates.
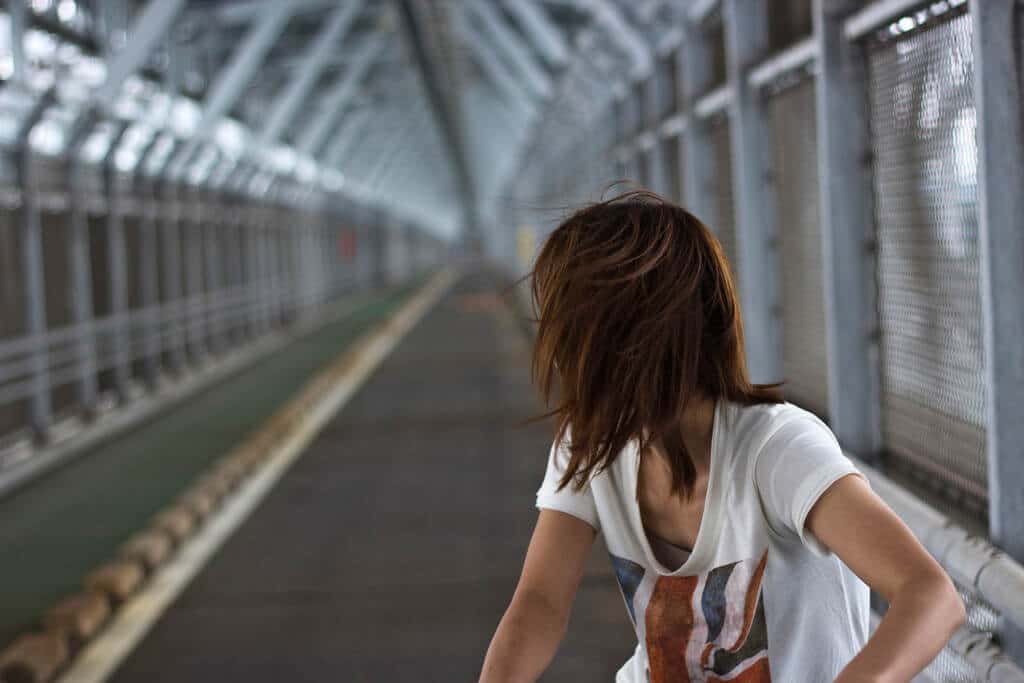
(973, 561)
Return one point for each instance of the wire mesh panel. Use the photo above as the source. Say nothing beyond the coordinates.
(795, 155)
(725, 224)
(923, 120)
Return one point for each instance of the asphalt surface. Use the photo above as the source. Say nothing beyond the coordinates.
(390, 549)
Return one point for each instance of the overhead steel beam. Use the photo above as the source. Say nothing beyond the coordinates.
(17, 11)
(243, 11)
(232, 80)
(235, 77)
(700, 10)
(343, 140)
(497, 70)
(545, 36)
(146, 33)
(621, 31)
(447, 115)
(396, 147)
(367, 150)
(339, 97)
(309, 70)
(512, 48)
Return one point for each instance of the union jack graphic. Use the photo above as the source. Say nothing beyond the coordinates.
(705, 628)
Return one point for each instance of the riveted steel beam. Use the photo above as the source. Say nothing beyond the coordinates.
(512, 47)
(538, 26)
(309, 70)
(146, 33)
(339, 97)
(446, 112)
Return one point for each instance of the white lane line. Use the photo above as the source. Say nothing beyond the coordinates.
(101, 657)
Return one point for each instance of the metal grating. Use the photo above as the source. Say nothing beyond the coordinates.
(804, 348)
(724, 222)
(923, 120)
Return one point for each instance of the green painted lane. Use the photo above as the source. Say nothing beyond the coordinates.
(58, 529)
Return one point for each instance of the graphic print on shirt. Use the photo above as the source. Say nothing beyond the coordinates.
(705, 628)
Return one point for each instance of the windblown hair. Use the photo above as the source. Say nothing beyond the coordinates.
(637, 313)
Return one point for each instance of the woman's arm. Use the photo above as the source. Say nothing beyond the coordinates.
(924, 607)
(535, 621)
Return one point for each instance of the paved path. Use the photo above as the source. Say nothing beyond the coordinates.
(56, 530)
(389, 550)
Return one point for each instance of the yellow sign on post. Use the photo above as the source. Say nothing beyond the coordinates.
(527, 244)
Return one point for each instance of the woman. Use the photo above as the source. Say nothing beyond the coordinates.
(740, 534)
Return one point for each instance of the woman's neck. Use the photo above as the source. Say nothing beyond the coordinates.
(696, 426)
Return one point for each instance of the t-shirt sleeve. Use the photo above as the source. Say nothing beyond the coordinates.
(797, 464)
(580, 503)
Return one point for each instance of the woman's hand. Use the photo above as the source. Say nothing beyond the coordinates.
(924, 606)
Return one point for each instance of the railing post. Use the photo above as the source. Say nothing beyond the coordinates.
(40, 406)
(231, 211)
(847, 233)
(698, 165)
(80, 264)
(1001, 242)
(173, 308)
(210, 229)
(148, 267)
(194, 273)
(117, 274)
(652, 91)
(746, 40)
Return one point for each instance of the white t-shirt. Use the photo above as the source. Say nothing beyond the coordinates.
(758, 598)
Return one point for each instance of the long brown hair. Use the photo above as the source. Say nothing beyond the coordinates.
(637, 313)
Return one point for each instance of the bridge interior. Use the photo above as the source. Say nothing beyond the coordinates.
(265, 342)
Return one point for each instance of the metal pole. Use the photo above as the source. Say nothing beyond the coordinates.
(209, 229)
(148, 267)
(746, 31)
(265, 287)
(232, 257)
(40, 407)
(847, 234)
(699, 167)
(173, 309)
(193, 231)
(656, 157)
(1001, 241)
(80, 264)
(118, 277)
